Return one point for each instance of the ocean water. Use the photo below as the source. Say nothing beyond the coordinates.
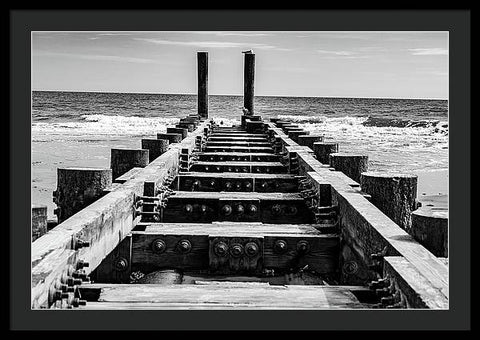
(80, 128)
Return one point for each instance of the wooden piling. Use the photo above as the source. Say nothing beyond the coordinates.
(171, 137)
(248, 85)
(182, 131)
(322, 151)
(350, 165)
(39, 220)
(156, 147)
(308, 140)
(78, 188)
(123, 160)
(202, 60)
(294, 134)
(393, 193)
(430, 229)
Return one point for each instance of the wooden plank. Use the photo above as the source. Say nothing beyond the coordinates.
(236, 156)
(321, 255)
(103, 224)
(415, 289)
(238, 143)
(224, 295)
(257, 138)
(224, 181)
(246, 167)
(264, 149)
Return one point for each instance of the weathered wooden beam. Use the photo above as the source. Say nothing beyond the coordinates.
(258, 138)
(202, 64)
(236, 157)
(221, 295)
(248, 149)
(246, 167)
(238, 143)
(248, 83)
(102, 225)
(128, 175)
(156, 147)
(280, 246)
(171, 137)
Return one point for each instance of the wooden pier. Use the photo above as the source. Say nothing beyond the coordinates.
(250, 216)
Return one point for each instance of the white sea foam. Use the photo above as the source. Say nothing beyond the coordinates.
(98, 124)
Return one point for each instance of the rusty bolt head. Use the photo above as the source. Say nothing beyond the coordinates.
(121, 264)
(238, 185)
(159, 246)
(350, 267)
(236, 250)
(221, 249)
(228, 185)
(207, 168)
(302, 247)
(251, 249)
(248, 185)
(292, 210)
(276, 209)
(240, 209)
(226, 210)
(212, 182)
(280, 247)
(252, 209)
(184, 246)
(264, 185)
(244, 169)
(203, 208)
(188, 208)
(229, 169)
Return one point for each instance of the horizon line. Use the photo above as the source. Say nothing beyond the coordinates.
(239, 95)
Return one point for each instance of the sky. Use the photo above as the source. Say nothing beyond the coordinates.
(306, 64)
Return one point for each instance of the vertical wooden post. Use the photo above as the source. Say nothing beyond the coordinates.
(248, 83)
(323, 150)
(123, 160)
(350, 165)
(155, 147)
(394, 194)
(202, 60)
(430, 229)
(78, 188)
(39, 220)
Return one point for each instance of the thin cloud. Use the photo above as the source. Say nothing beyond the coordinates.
(428, 51)
(98, 57)
(233, 33)
(212, 44)
(337, 53)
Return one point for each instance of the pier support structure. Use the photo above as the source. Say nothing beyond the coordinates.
(248, 83)
(39, 220)
(123, 160)
(202, 60)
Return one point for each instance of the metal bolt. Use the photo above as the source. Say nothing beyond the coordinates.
(159, 246)
(80, 244)
(66, 288)
(280, 246)
(184, 246)
(206, 168)
(188, 208)
(81, 264)
(226, 210)
(58, 295)
(302, 247)
(73, 282)
(251, 249)
(276, 209)
(121, 264)
(292, 210)
(238, 185)
(264, 185)
(212, 182)
(217, 168)
(248, 185)
(77, 302)
(240, 209)
(252, 209)
(221, 249)
(228, 185)
(203, 208)
(236, 250)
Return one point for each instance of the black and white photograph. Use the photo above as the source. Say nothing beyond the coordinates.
(240, 170)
